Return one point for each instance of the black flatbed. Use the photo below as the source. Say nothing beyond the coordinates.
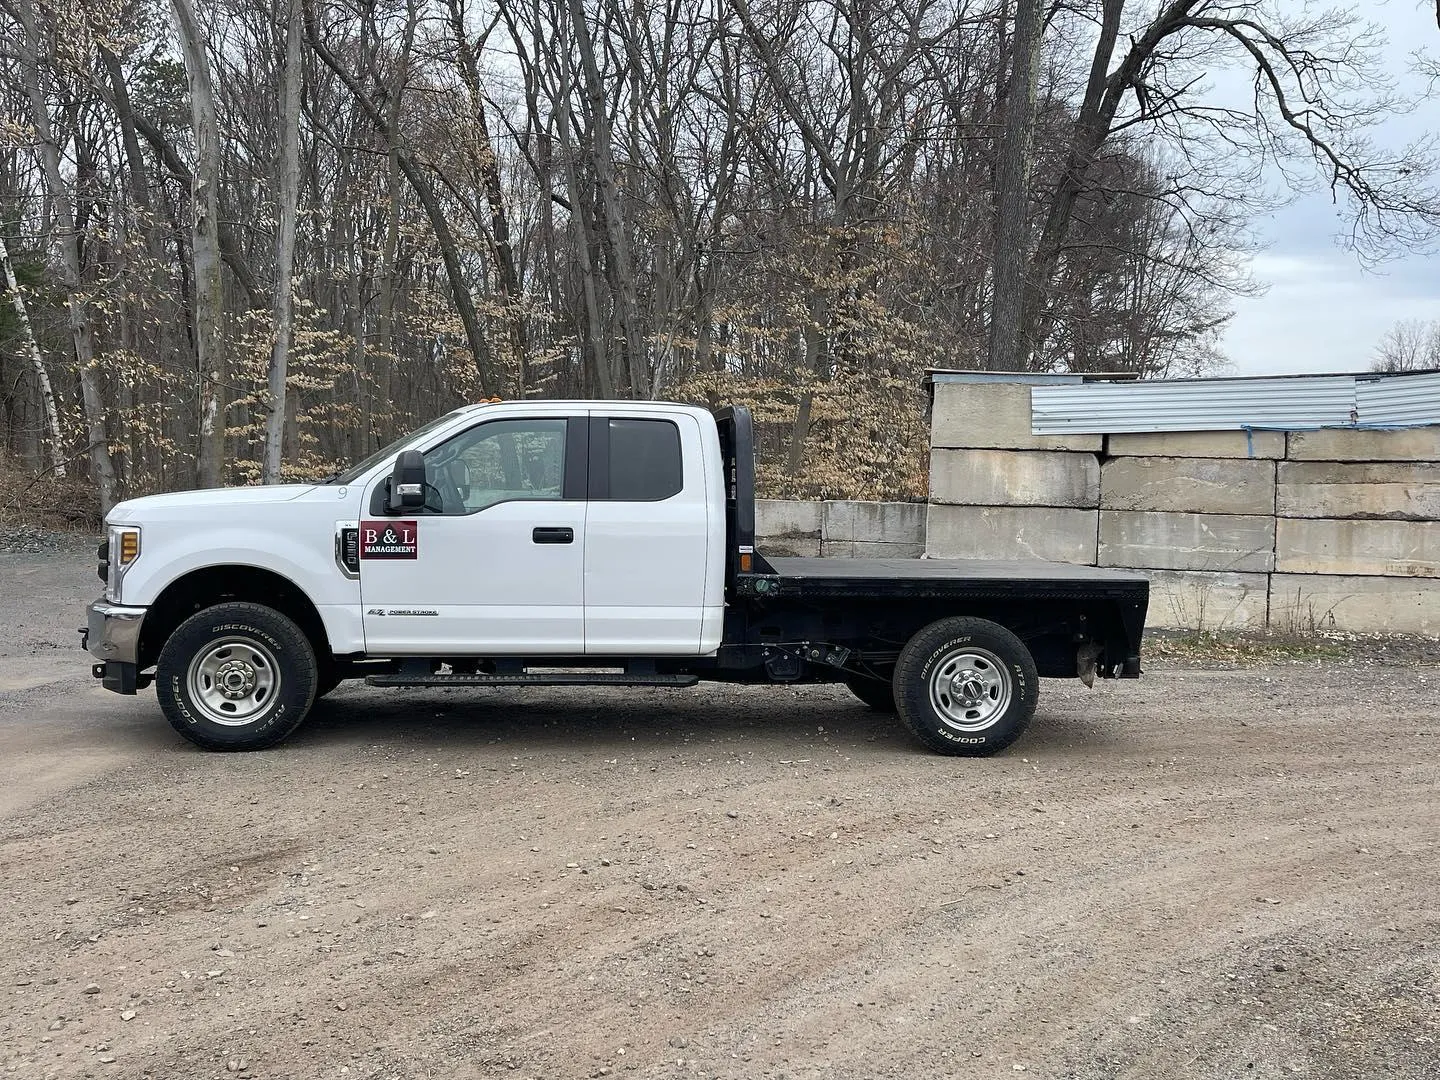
(949, 569)
(992, 578)
(784, 616)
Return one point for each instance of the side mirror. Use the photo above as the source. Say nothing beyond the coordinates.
(407, 482)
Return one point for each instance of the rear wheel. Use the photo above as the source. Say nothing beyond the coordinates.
(966, 686)
(876, 693)
(236, 677)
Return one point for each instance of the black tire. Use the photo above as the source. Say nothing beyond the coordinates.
(878, 694)
(236, 677)
(966, 686)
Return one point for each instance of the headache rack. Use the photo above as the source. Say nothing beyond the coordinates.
(737, 445)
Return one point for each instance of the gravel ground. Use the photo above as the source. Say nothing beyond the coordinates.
(1209, 872)
(16, 539)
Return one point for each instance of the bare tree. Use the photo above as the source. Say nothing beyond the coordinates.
(1319, 86)
(424, 190)
(486, 164)
(205, 250)
(846, 110)
(1012, 191)
(1409, 345)
(794, 204)
(289, 196)
(37, 362)
(77, 303)
(616, 243)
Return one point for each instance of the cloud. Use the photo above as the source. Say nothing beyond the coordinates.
(1324, 313)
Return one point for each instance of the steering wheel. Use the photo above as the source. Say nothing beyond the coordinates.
(458, 474)
(434, 499)
(444, 490)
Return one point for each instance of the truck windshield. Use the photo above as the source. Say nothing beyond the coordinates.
(359, 469)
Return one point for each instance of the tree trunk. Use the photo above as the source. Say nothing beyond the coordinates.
(816, 365)
(119, 96)
(229, 245)
(1009, 351)
(1104, 91)
(81, 332)
(502, 249)
(617, 244)
(47, 392)
(425, 192)
(284, 244)
(597, 346)
(205, 249)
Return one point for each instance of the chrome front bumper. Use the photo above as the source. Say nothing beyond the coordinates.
(112, 632)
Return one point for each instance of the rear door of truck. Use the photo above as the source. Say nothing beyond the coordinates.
(652, 563)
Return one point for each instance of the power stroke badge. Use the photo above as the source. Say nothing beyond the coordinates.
(389, 540)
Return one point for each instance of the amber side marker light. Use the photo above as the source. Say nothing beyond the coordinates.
(129, 547)
(746, 561)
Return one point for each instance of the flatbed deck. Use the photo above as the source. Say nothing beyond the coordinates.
(973, 569)
(953, 577)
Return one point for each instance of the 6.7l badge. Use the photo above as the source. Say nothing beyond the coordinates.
(389, 540)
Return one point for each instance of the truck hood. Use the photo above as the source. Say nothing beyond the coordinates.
(204, 502)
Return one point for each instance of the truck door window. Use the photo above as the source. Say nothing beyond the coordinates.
(499, 461)
(645, 463)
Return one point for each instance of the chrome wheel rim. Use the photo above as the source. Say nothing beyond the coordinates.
(970, 689)
(233, 680)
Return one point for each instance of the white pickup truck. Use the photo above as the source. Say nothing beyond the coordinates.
(568, 542)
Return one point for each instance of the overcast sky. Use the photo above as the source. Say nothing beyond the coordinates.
(1323, 311)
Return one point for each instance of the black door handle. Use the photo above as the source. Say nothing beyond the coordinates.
(553, 536)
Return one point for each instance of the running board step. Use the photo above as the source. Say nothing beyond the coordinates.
(558, 679)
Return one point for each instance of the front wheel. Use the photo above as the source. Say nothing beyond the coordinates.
(966, 686)
(236, 677)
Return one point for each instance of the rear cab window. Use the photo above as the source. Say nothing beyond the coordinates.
(645, 461)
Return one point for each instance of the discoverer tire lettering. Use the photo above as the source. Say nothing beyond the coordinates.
(236, 677)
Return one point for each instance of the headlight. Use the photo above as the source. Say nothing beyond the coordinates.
(124, 549)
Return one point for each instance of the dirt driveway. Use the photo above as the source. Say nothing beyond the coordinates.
(1200, 874)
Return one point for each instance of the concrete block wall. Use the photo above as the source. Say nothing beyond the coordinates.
(1291, 530)
(1196, 512)
(1357, 538)
(999, 492)
(843, 529)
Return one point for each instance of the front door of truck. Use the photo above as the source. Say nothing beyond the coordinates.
(495, 561)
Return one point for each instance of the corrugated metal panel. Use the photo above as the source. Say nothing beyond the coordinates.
(1042, 379)
(1194, 405)
(1399, 400)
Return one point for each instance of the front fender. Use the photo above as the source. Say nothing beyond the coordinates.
(299, 550)
(308, 562)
